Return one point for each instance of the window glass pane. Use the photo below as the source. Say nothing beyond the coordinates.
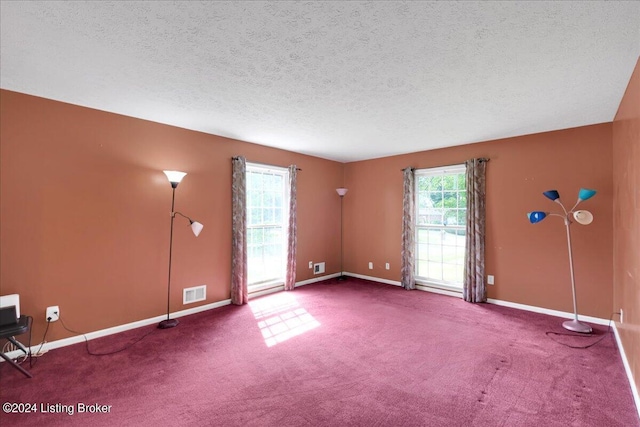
(449, 199)
(449, 182)
(441, 220)
(269, 200)
(434, 183)
(268, 216)
(266, 222)
(255, 216)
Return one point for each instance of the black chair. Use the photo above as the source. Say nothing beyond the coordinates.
(8, 332)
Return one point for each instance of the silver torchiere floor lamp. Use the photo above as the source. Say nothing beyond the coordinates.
(341, 192)
(174, 178)
(581, 217)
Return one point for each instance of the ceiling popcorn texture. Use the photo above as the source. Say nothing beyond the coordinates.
(340, 80)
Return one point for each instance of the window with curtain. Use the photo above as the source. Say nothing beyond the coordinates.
(267, 221)
(440, 221)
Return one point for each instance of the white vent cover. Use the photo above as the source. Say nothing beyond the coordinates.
(318, 268)
(195, 294)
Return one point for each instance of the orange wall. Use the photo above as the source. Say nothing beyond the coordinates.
(530, 262)
(85, 212)
(626, 221)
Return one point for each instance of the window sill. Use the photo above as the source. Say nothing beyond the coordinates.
(264, 286)
(441, 286)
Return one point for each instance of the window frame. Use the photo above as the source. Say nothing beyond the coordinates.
(456, 169)
(284, 172)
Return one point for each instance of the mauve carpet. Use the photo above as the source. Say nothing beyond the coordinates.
(336, 354)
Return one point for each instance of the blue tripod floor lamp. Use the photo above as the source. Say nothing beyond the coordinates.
(581, 217)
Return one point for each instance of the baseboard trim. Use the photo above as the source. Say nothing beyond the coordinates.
(150, 321)
(317, 279)
(298, 284)
(556, 313)
(373, 279)
(627, 368)
(548, 311)
(117, 329)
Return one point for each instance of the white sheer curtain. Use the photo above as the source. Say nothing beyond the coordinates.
(407, 267)
(474, 287)
(292, 231)
(239, 291)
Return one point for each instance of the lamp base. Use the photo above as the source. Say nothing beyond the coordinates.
(169, 323)
(576, 326)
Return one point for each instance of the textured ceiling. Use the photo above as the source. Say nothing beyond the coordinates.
(340, 80)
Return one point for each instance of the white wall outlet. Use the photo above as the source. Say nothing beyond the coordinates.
(490, 280)
(310, 264)
(386, 266)
(53, 313)
(621, 316)
(370, 266)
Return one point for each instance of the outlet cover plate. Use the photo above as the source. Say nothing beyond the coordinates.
(51, 313)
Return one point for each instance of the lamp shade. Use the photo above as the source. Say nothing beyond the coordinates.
(174, 177)
(585, 194)
(196, 227)
(583, 217)
(552, 194)
(341, 191)
(536, 216)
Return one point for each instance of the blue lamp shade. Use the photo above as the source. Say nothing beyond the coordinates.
(585, 194)
(552, 194)
(536, 216)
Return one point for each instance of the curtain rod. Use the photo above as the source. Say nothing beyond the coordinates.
(482, 159)
(265, 164)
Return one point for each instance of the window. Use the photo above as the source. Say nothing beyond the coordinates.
(267, 217)
(441, 204)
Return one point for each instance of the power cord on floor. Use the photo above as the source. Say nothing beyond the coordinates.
(86, 340)
(38, 353)
(590, 335)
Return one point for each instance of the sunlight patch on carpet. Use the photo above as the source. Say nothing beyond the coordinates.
(280, 318)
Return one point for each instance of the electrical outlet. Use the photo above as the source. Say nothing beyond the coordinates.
(310, 264)
(370, 266)
(53, 313)
(386, 266)
(621, 316)
(490, 280)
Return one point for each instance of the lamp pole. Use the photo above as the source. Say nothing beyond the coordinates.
(341, 192)
(170, 323)
(582, 217)
(573, 325)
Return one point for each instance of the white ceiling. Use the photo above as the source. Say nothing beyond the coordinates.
(340, 80)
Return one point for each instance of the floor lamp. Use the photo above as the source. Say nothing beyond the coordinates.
(174, 178)
(341, 192)
(581, 217)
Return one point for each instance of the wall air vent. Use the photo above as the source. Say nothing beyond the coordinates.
(318, 268)
(195, 294)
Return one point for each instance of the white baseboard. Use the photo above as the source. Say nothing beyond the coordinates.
(298, 284)
(117, 329)
(627, 368)
(563, 314)
(373, 279)
(150, 321)
(548, 311)
(317, 279)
